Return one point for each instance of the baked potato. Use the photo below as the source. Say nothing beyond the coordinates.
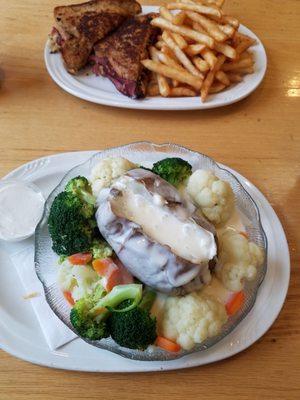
(156, 232)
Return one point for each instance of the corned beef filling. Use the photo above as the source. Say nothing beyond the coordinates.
(126, 86)
(56, 37)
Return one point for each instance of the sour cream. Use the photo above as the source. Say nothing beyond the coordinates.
(182, 235)
(21, 207)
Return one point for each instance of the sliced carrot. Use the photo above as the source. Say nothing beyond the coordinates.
(68, 296)
(245, 234)
(113, 272)
(167, 344)
(113, 278)
(235, 303)
(103, 265)
(126, 275)
(100, 310)
(80, 258)
(106, 268)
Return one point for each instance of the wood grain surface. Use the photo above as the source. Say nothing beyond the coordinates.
(259, 137)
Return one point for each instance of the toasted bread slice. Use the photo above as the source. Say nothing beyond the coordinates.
(80, 26)
(119, 55)
(116, 6)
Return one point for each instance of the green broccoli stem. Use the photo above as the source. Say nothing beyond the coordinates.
(118, 294)
(87, 197)
(148, 300)
(99, 293)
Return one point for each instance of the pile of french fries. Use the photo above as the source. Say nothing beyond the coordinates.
(200, 50)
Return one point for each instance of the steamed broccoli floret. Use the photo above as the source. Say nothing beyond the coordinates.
(86, 325)
(119, 294)
(81, 187)
(88, 211)
(136, 328)
(173, 170)
(89, 314)
(101, 249)
(69, 228)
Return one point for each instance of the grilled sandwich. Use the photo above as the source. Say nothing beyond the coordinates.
(78, 27)
(118, 56)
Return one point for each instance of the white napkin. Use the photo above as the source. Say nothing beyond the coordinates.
(56, 333)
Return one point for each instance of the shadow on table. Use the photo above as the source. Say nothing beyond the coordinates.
(290, 227)
(2, 77)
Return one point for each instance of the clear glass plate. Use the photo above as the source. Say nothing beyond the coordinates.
(146, 153)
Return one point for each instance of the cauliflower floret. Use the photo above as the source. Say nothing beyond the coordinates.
(239, 259)
(80, 280)
(65, 277)
(193, 318)
(107, 170)
(214, 196)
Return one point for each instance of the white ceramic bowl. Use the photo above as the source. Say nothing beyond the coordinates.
(7, 182)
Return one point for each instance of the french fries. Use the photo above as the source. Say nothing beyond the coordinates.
(227, 29)
(244, 63)
(223, 78)
(245, 54)
(179, 18)
(173, 73)
(159, 44)
(199, 51)
(230, 20)
(209, 57)
(201, 64)
(244, 45)
(182, 92)
(195, 7)
(183, 30)
(153, 89)
(246, 71)
(216, 88)
(234, 77)
(180, 54)
(180, 41)
(167, 60)
(162, 82)
(225, 49)
(166, 50)
(210, 26)
(218, 3)
(165, 13)
(194, 49)
(208, 81)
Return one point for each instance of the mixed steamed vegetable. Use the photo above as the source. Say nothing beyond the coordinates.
(98, 271)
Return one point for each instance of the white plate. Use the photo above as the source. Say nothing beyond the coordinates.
(101, 91)
(21, 336)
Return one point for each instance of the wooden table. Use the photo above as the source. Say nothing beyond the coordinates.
(259, 137)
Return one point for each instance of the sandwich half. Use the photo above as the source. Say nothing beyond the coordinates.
(118, 56)
(78, 27)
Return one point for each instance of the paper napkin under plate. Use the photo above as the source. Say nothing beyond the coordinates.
(56, 333)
